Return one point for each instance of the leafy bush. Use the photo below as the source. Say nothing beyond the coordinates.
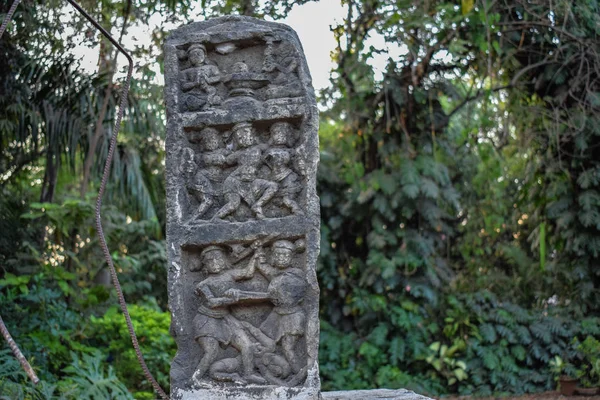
(85, 378)
(110, 334)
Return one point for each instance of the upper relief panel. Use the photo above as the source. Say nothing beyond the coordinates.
(242, 75)
(229, 75)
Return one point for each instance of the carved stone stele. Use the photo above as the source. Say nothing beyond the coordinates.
(242, 211)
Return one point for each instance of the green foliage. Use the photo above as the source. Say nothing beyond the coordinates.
(92, 382)
(589, 373)
(152, 328)
(84, 378)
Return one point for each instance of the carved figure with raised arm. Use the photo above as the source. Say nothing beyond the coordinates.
(201, 181)
(244, 184)
(285, 325)
(214, 327)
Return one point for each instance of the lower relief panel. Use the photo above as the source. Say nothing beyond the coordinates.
(245, 303)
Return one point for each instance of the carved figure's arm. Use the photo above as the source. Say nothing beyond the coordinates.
(189, 84)
(260, 336)
(203, 290)
(292, 66)
(246, 272)
(213, 76)
(266, 270)
(238, 296)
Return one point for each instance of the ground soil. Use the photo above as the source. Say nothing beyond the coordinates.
(536, 396)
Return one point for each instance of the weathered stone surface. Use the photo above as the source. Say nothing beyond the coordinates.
(375, 394)
(243, 213)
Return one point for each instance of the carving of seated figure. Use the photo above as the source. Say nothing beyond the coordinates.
(201, 181)
(198, 81)
(285, 325)
(286, 82)
(214, 327)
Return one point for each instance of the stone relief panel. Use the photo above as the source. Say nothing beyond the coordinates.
(246, 171)
(242, 212)
(246, 304)
(239, 73)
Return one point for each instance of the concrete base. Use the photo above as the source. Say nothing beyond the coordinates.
(374, 394)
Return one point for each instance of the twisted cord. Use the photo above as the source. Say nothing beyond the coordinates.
(17, 353)
(3, 329)
(105, 175)
(9, 16)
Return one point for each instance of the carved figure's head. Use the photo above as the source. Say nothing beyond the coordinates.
(211, 139)
(240, 68)
(282, 253)
(247, 172)
(213, 259)
(281, 133)
(197, 54)
(244, 134)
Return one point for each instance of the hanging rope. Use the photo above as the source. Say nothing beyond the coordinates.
(17, 353)
(3, 329)
(105, 175)
(8, 17)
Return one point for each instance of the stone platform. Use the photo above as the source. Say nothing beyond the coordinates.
(374, 394)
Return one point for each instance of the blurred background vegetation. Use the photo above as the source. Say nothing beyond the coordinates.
(460, 197)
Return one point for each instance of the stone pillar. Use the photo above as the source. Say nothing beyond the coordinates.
(243, 212)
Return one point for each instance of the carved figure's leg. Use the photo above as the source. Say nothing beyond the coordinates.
(210, 347)
(226, 370)
(246, 347)
(277, 365)
(268, 190)
(288, 342)
(195, 103)
(205, 204)
(213, 98)
(233, 202)
(292, 205)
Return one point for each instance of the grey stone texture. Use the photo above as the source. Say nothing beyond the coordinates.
(242, 211)
(374, 394)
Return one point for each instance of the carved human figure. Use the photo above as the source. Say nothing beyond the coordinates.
(284, 66)
(214, 326)
(247, 148)
(285, 325)
(244, 184)
(288, 182)
(199, 80)
(279, 158)
(201, 181)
